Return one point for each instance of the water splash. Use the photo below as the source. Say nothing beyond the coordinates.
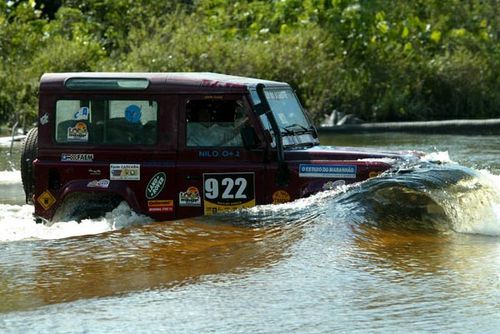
(443, 196)
(17, 223)
(10, 177)
(475, 206)
(437, 157)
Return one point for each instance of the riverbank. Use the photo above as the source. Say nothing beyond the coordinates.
(462, 126)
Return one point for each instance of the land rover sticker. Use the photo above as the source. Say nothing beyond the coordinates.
(155, 185)
(129, 172)
(328, 171)
(190, 197)
(228, 192)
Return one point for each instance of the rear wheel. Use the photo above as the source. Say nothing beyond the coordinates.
(78, 206)
(28, 155)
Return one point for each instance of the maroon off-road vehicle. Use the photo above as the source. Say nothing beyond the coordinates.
(176, 145)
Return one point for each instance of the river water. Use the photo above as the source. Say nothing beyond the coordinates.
(406, 252)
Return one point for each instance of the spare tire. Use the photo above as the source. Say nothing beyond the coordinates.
(28, 155)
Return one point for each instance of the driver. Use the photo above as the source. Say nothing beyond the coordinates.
(206, 132)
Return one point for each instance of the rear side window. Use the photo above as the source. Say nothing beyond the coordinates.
(112, 122)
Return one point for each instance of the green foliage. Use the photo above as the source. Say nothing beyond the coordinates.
(20, 31)
(381, 60)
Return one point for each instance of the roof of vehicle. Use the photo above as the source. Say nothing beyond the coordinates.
(161, 81)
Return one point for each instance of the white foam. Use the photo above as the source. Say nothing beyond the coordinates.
(10, 177)
(17, 223)
(478, 211)
(441, 157)
(389, 161)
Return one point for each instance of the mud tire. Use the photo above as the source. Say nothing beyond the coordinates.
(28, 155)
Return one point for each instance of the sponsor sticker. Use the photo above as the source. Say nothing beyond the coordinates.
(46, 200)
(104, 183)
(79, 157)
(163, 205)
(190, 197)
(228, 192)
(133, 113)
(155, 185)
(281, 196)
(328, 171)
(129, 172)
(82, 114)
(78, 133)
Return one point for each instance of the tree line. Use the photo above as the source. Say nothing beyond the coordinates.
(379, 60)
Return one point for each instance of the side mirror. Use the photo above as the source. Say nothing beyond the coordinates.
(249, 137)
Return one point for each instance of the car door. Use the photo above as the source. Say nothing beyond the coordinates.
(216, 173)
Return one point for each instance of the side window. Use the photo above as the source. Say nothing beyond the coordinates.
(117, 122)
(215, 123)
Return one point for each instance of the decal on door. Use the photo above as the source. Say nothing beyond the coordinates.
(161, 205)
(155, 185)
(228, 192)
(190, 197)
(328, 171)
(125, 172)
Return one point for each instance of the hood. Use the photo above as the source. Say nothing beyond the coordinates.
(350, 153)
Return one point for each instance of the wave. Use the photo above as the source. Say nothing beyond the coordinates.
(438, 197)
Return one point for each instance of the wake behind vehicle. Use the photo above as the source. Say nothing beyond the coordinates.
(177, 145)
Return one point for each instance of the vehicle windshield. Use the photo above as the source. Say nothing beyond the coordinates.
(294, 125)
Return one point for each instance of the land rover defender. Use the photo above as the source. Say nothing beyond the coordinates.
(176, 145)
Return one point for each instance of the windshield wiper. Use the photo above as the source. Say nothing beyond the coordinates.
(289, 128)
(287, 132)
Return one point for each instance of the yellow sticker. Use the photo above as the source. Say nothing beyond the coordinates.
(213, 208)
(46, 200)
(281, 196)
(374, 174)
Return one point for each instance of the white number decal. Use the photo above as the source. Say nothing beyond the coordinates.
(228, 184)
(243, 185)
(211, 188)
